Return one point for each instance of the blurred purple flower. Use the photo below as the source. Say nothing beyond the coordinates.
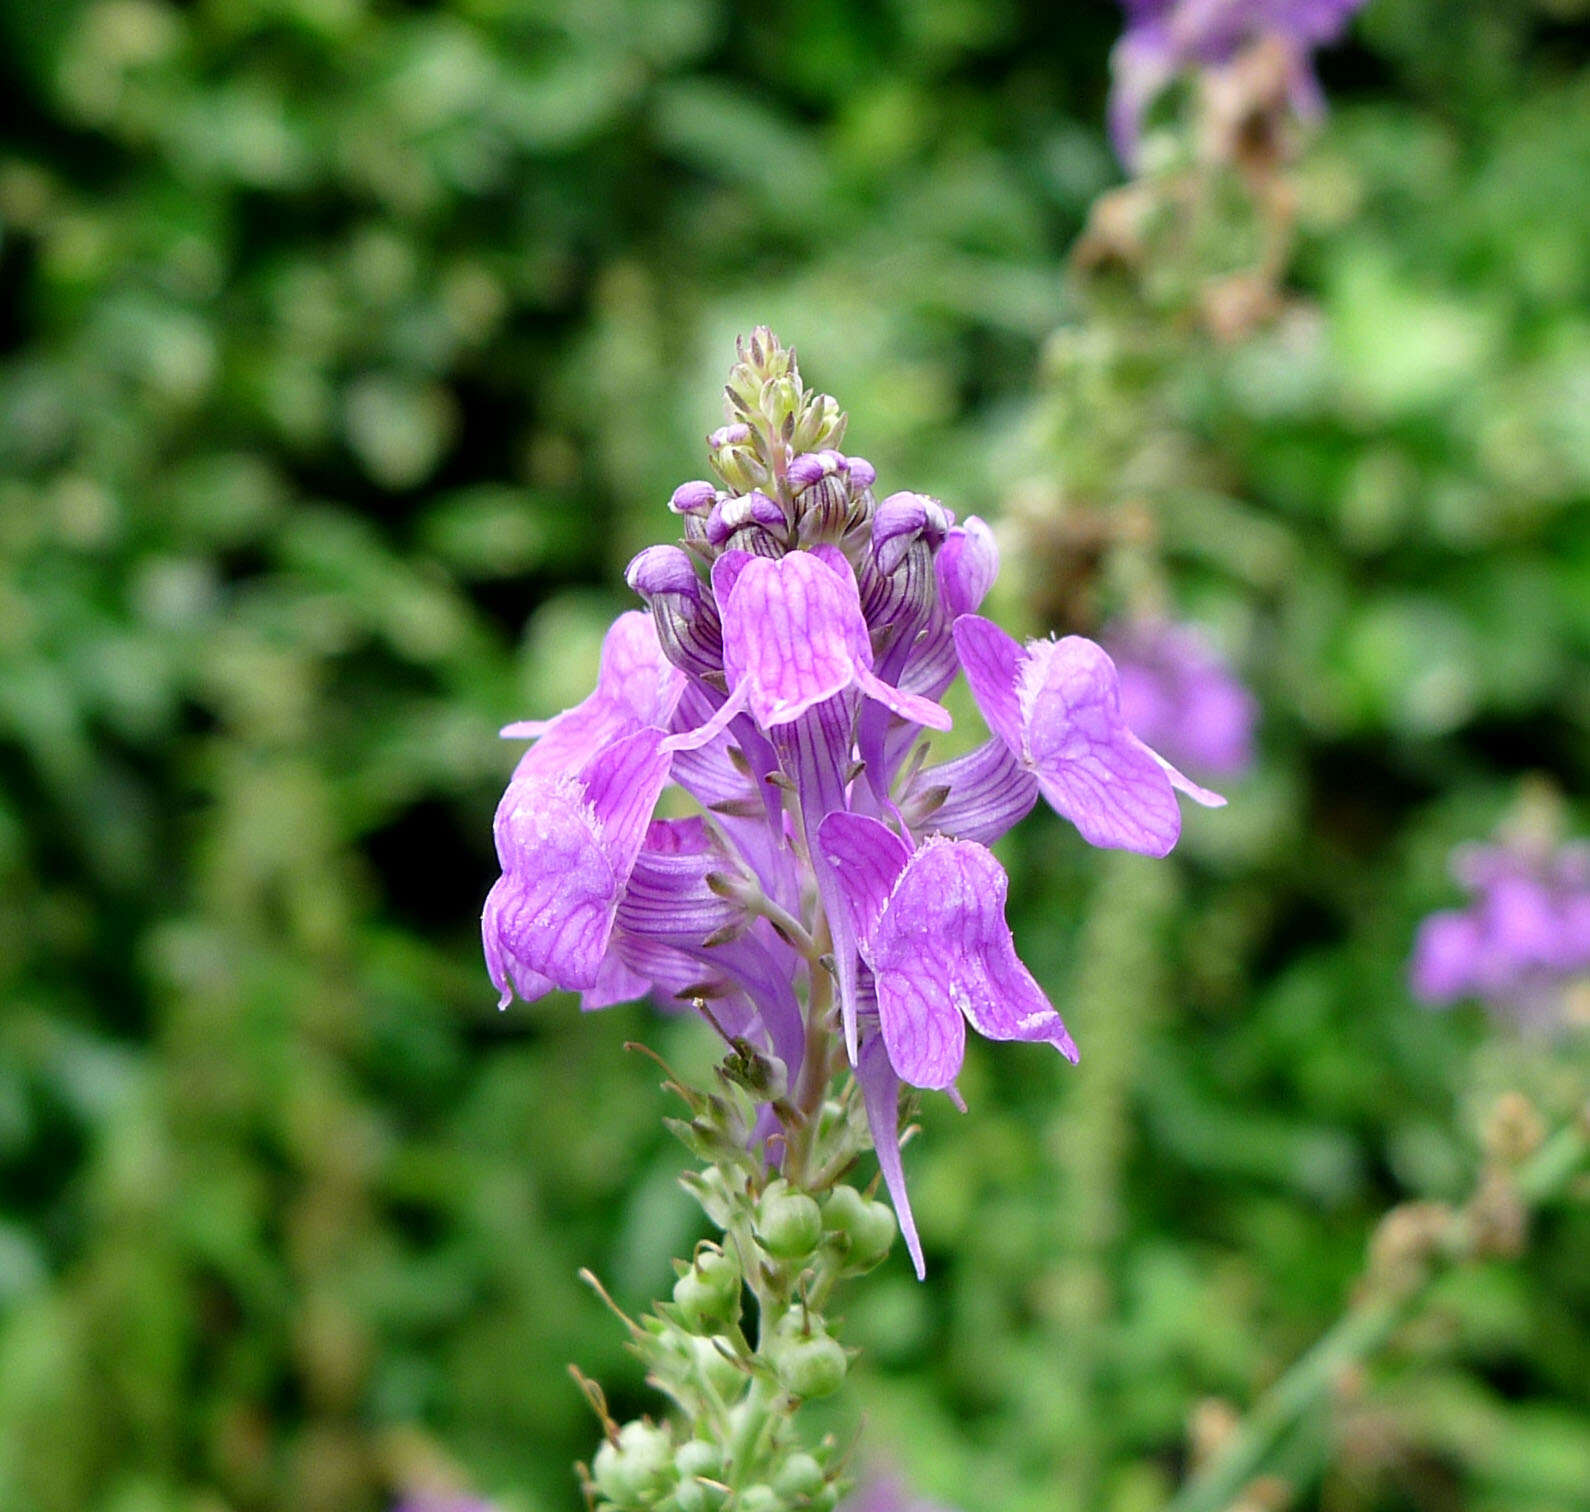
(1523, 937)
(1164, 38)
(1179, 696)
(887, 1493)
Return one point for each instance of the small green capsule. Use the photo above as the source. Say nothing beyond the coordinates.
(636, 1471)
(789, 1223)
(799, 1476)
(708, 1294)
(867, 1228)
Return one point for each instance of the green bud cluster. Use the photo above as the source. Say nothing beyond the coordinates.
(745, 1339)
(771, 415)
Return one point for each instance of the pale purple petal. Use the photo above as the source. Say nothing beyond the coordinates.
(615, 983)
(1090, 767)
(636, 686)
(788, 635)
(992, 662)
(552, 910)
(943, 944)
(868, 858)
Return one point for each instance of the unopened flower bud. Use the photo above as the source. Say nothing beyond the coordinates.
(896, 578)
(761, 1499)
(820, 483)
(752, 522)
(634, 1472)
(966, 566)
(866, 1228)
(789, 1223)
(685, 614)
(861, 472)
(820, 423)
(695, 498)
(902, 520)
(708, 1293)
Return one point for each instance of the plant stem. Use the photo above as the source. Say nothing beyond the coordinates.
(1360, 1332)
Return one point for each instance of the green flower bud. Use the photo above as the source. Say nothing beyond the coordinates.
(799, 1476)
(708, 1294)
(694, 1461)
(714, 1367)
(634, 1472)
(866, 1228)
(761, 1499)
(788, 1223)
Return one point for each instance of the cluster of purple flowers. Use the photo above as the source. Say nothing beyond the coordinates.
(797, 646)
(1165, 38)
(1524, 937)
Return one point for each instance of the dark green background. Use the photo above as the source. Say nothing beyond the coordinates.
(350, 349)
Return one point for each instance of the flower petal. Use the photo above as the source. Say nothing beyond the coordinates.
(992, 662)
(867, 857)
(552, 910)
(944, 941)
(1090, 767)
(789, 633)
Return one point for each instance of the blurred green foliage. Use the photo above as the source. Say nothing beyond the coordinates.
(350, 348)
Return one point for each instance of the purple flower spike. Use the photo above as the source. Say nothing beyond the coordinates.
(636, 688)
(794, 637)
(932, 928)
(1523, 938)
(567, 845)
(1056, 705)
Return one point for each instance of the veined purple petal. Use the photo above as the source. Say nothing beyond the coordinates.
(943, 950)
(794, 637)
(1090, 767)
(567, 845)
(636, 686)
(902, 520)
(880, 1094)
(867, 858)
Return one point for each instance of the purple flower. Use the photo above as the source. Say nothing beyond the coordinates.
(1165, 38)
(1056, 706)
(1181, 698)
(786, 691)
(1523, 938)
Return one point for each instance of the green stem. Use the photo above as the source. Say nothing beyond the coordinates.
(1361, 1331)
